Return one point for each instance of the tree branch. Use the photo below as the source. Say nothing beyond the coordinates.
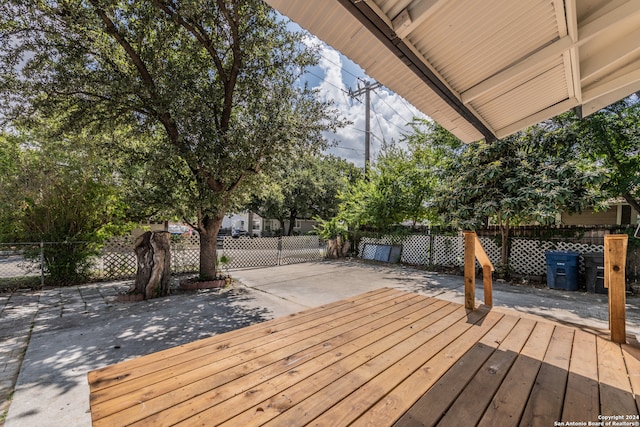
(228, 77)
(198, 32)
(131, 52)
(164, 116)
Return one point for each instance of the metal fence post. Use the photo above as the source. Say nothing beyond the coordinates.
(42, 264)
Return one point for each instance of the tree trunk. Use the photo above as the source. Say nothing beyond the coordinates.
(209, 246)
(250, 224)
(632, 201)
(282, 230)
(292, 223)
(153, 251)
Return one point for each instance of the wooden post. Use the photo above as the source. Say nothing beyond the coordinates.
(487, 269)
(487, 281)
(615, 258)
(469, 269)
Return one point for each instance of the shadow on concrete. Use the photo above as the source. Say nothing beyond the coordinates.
(579, 308)
(63, 349)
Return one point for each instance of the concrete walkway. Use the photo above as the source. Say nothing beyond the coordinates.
(50, 339)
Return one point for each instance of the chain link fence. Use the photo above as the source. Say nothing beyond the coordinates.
(24, 263)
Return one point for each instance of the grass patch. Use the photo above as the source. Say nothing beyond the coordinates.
(14, 283)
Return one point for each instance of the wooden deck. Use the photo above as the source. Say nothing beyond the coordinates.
(382, 358)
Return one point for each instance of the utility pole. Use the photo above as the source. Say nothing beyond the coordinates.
(368, 87)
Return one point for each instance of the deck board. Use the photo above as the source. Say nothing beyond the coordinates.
(616, 397)
(471, 403)
(582, 400)
(509, 402)
(379, 358)
(544, 405)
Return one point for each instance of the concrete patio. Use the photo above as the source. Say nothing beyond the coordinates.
(64, 333)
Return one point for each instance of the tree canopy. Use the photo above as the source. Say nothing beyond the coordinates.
(610, 138)
(527, 178)
(304, 186)
(214, 82)
(402, 181)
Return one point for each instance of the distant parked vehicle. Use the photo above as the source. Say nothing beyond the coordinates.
(239, 233)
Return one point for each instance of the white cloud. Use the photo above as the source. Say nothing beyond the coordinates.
(389, 112)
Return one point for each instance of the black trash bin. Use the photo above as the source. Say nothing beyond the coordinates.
(594, 273)
(562, 270)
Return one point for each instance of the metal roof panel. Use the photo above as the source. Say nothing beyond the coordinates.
(521, 59)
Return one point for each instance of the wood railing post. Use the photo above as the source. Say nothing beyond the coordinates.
(487, 269)
(469, 270)
(615, 258)
(487, 281)
(473, 250)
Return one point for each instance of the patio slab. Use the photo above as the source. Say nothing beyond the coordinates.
(92, 331)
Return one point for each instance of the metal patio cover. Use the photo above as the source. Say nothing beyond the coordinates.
(486, 68)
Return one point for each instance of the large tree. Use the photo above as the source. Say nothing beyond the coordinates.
(527, 177)
(304, 186)
(215, 79)
(611, 139)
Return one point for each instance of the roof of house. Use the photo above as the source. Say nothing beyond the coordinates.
(486, 69)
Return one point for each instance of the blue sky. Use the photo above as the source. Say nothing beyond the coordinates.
(390, 113)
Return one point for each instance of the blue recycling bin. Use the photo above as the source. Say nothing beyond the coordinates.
(562, 270)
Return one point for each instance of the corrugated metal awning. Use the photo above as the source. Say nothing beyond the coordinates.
(486, 69)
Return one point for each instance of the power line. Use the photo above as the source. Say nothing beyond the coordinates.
(379, 125)
(406, 105)
(391, 106)
(341, 67)
(347, 148)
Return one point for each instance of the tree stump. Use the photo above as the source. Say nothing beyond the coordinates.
(337, 249)
(153, 250)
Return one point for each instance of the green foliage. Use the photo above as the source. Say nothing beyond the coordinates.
(370, 203)
(302, 187)
(528, 177)
(401, 183)
(610, 138)
(53, 191)
(332, 229)
(212, 86)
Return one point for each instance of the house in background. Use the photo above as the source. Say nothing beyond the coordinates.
(246, 221)
(302, 226)
(619, 212)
